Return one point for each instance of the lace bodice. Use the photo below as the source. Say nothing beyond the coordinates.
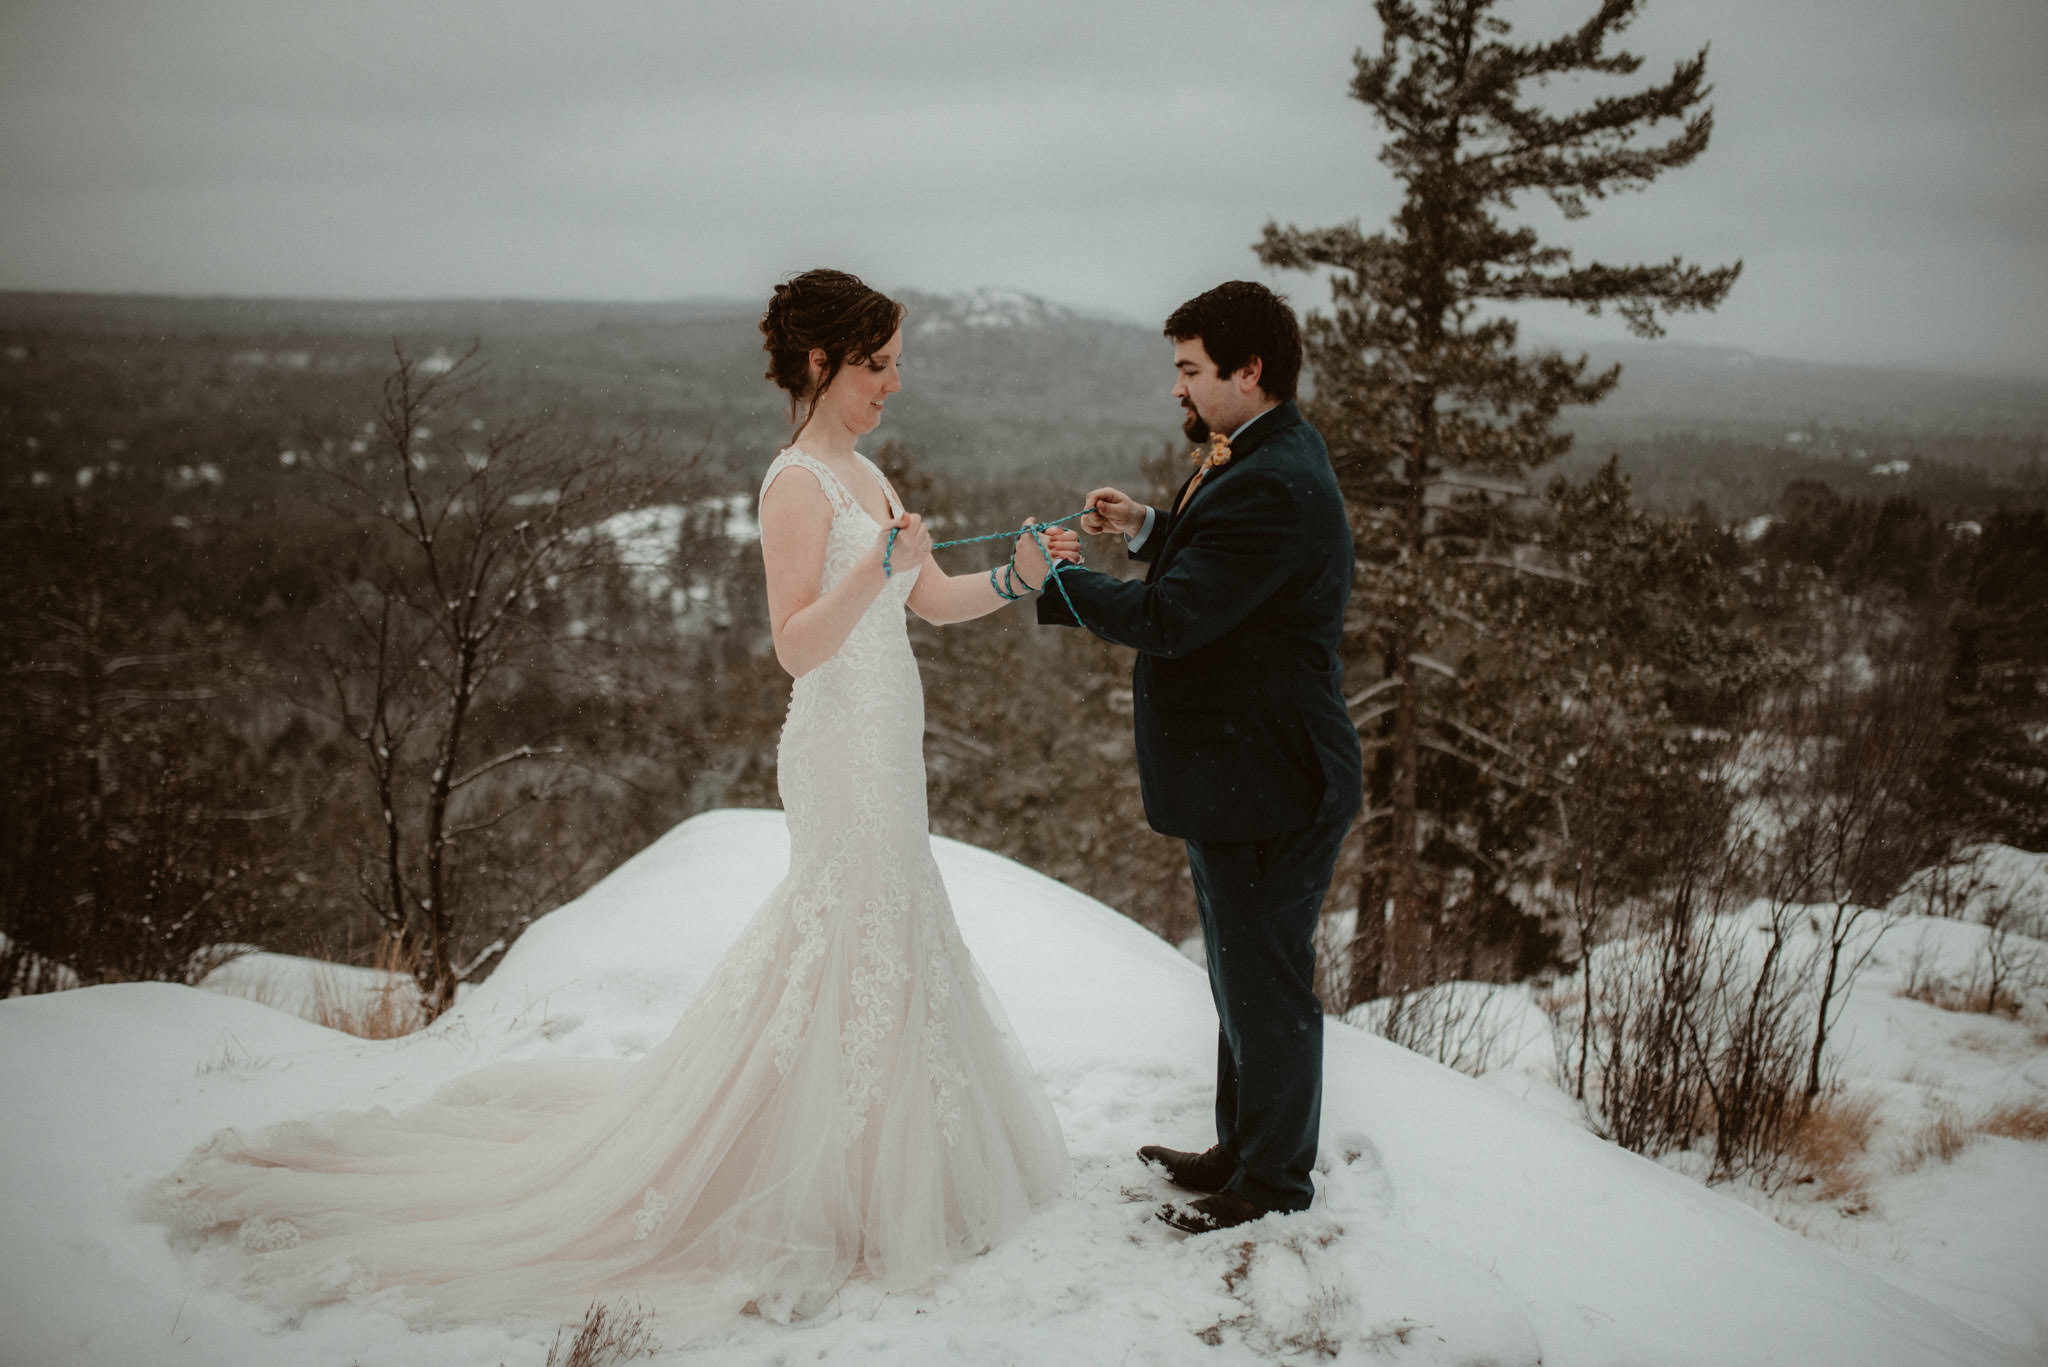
(854, 529)
(882, 631)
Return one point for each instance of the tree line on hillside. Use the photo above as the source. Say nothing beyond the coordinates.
(169, 383)
(1733, 479)
(224, 734)
(412, 698)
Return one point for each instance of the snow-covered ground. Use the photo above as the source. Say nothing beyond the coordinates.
(1970, 1230)
(1458, 1221)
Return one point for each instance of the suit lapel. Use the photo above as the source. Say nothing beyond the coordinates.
(1248, 442)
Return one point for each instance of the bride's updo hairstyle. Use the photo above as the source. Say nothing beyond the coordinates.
(825, 310)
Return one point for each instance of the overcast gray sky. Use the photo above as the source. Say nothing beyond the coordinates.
(1881, 166)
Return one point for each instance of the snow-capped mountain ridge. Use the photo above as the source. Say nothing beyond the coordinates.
(988, 307)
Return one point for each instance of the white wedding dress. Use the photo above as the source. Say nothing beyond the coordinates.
(844, 1099)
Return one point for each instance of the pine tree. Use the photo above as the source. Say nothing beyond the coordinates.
(1427, 404)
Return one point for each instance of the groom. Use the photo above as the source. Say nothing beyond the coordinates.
(1245, 748)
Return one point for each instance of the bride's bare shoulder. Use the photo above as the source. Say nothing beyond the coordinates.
(795, 506)
(807, 487)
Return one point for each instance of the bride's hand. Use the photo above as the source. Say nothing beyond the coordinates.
(913, 543)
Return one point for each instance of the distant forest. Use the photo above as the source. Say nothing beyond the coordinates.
(1025, 388)
(190, 512)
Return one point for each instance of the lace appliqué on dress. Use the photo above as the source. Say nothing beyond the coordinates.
(648, 1218)
(261, 1236)
(862, 713)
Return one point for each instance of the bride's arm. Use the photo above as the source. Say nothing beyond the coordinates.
(942, 598)
(809, 626)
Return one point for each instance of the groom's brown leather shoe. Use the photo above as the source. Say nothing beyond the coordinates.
(1206, 1171)
(1224, 1210)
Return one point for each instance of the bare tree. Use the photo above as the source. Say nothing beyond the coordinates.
(1947, 888)
(1696, 1023)
(1749, 1043)
(469, 643)
(1461, 1025)
(1856, 752)
(1630, 844)
(1643, 1018)
(2012, 967)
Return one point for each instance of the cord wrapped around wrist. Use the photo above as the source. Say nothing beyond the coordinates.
(1012, 586)
(1010, 578)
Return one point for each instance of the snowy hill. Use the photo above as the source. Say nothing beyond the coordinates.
(1459, 1221)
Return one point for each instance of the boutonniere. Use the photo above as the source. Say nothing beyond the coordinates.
(1214, 455)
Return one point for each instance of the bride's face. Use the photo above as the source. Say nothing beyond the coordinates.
(856, 395)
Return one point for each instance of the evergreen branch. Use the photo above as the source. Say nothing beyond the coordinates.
(1444, 747)
(1373, 715)
(1519, 567)
(1543, 147)
(1492, 486)
(1635, 290)
(1368, 693)
(1474, 733)
(1467, 619)
(1449, 833)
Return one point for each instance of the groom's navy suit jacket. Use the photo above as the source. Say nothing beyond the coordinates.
(1238, 692)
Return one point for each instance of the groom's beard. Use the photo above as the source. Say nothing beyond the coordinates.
(1192, 424)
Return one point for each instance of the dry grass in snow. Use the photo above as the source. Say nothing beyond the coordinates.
(1943, 1137)
(1827, 1147)
(609, 1334)
(2017, 1120)
(389, 1009)
(377, 1002)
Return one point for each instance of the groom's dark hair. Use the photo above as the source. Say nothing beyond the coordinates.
(1238, 320)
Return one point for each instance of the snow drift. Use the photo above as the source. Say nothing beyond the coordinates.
(1456, 1223)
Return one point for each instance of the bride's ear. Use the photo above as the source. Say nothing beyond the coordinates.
(816, 364)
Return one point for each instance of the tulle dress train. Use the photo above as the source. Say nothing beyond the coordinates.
(844, 1098)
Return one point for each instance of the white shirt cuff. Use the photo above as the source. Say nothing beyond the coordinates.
(1134, 542)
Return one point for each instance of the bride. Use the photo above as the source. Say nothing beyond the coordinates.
(844, 1098)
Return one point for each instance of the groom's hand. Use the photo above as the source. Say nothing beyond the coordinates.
(1064, 543)
(1113, 510)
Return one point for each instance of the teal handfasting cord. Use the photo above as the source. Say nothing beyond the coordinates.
(1007, 589)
